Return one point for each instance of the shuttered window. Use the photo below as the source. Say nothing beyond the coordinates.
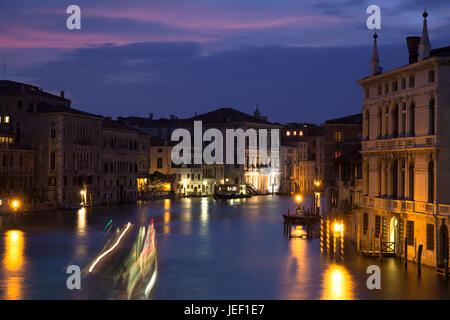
(410, 232)
(377, 226)
(365, 223)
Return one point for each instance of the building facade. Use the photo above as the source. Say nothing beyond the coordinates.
(406, 154)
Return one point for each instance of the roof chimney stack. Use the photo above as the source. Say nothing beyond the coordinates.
(62, 94)
(150, 115)
(413, 48)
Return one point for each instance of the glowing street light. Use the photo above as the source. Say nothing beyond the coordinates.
(337, 227)
(15, 204)
(298, 198)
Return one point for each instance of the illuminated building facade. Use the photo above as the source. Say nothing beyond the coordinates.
(406, 153)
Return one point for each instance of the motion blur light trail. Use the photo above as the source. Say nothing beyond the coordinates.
(130, 271)
(110, 249)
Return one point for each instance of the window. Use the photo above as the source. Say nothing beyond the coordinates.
(412, 120)
(403, 83)
(394, 86)
(159, 163)
(19, 104)
(377, 226)
(379, 90)
(431, 76)
(53, 130)
(431, 182)
(51, 181)
(367, 93)
(300, 133)
(431, 117)
(365, 223)
(337, 154)
(338, 136)
(386, 88)
(411, 82)
(288, 133)
(430, 236)
(52, 161)
(6, 119)
(410, 232)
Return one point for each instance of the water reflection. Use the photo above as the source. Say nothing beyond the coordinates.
(13, 262)
(337, 284)
(81, 221)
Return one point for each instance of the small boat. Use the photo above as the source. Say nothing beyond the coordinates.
(231, 191)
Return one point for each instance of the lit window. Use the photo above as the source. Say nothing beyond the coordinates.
(337, 154)
(288, 133)
(300, 133)
(0, 119)
(6, 119)
(295, 133)
(338, 136)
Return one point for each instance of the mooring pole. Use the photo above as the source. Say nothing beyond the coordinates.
(406, 252)
(321, 234)
(419, 259)
(328, 236)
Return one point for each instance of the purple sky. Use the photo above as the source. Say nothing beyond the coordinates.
(299, 60)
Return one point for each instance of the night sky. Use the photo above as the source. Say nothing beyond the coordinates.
(299, 60)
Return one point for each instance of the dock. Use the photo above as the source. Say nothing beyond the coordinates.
(296, 219)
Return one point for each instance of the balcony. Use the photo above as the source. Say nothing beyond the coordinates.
(400, 143)
(406, 206)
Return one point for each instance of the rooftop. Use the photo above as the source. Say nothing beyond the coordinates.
(46, 107)
(352, 119)
(16, 88)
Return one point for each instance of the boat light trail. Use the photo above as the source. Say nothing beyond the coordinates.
(110, 249)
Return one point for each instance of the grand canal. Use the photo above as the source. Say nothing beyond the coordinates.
(205, 250)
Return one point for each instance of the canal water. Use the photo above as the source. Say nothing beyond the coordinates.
(205, 250)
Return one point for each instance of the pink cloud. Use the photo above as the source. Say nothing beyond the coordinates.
(32, 38)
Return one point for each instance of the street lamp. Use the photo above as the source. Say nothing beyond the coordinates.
(298, 199)
(15, 204)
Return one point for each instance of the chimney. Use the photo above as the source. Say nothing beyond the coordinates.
(62, 94)
(150, 115)
(172, 117)
(413, 48)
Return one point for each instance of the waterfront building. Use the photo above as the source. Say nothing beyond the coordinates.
(311, 167)
(342, 163)
(120, 161)
(293, 159)
(262, 178)
(16, 171)
(406, 153)
(66, 143)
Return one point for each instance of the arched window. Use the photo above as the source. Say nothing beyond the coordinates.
(52, 161)
(411, 180)
(367, 125)
(431, 182)
(431, 116)
(395, 179)
(53, 130)
(386, 122)
(380, 122)
(380, 174)
(402, 179)
(412, 120)
(395, 121)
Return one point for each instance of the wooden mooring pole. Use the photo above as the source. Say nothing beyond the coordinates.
(419, 259)
(406, 252)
